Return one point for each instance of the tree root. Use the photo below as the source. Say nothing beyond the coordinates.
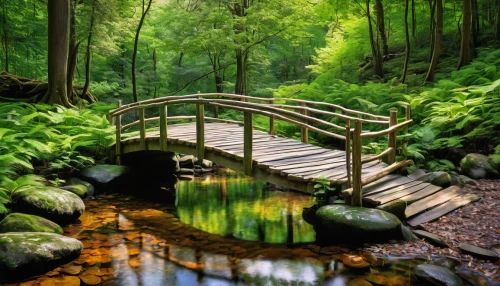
(14, 88)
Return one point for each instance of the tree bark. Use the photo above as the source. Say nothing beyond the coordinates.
(407, 53)
(58, 14)
(136, 44)
(432, 26)
(498, 20)
(376, 56)
(381, 26)
(464, 58)
(88, 53)
(73, 49)
(437, 45)
(475, 23)
(413, 20)
(5, 36)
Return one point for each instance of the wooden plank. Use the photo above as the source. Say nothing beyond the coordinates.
(142, 128)
(311, 163)
(273, 157)
(385, 183)
(397, 195)
(433, 200)
(309, 169)
(326, 155)
(272, 150)
(396, 189)
(443, 209)
(427, 191)
(391, 158)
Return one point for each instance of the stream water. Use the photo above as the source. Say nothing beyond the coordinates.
(223, 229)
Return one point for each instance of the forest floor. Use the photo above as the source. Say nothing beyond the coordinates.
(477, 224)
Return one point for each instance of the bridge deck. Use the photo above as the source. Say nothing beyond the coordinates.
(299, 165)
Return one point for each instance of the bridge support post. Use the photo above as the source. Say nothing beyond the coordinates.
(200, 131)
(142, 129)
(247, 143)
(357, 188)
(118, 123)
(272, 131)
(348, 151)
(304, 131)
(163, 127)
(408, 117)
(391, 158)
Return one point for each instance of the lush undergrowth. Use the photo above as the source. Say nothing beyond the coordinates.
(55, 139)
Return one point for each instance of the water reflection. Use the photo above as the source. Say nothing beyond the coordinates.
(238, 206)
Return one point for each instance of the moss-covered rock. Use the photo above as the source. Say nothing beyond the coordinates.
(79, 190)
(355, 224)
(18, 222)
(441, 179)
(32, 253)
(104, 175)
(76, 181)
(478, 166)
(54, 204)
(397, 208)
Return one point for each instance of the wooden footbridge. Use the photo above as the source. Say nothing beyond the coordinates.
(282, 161)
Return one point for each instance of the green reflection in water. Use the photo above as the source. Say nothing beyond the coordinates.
(234, 205)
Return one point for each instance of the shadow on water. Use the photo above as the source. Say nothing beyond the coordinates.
(224, 230)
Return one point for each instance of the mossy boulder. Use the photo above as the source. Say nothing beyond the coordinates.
(397, 208)
(18, 222)
(478, 166)
(105, 175)
(441, 179)
(79, 190)
(32, 253)
(355, 224)
(54, 204)
(77, 181)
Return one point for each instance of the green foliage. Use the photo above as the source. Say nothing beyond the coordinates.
(321, 190)
(64, 139)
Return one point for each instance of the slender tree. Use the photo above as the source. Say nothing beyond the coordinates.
(413, 20)
(438, 40)
(145, 11)
(58, 14)
(89, 46)
(5, 35)
(379, 7)
(73, 49)
(464, 58)
(376, 55)
(407, 34)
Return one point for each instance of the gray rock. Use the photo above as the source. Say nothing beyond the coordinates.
(32, 253)
(474, 278)
(184, 171)
(431, 238)
(18, 222)
(461, 180)
(207, 164)
(54, 204)
(417, 174)
(79, 190)
(76, 181)
(187, 161)
(437, 275)
(396, 208)
(479, 252)
(104, 174)
(408, 235)
(355, 224)
(441, 179)
(478, 166)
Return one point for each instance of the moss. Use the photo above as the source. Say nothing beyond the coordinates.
(79, 190)
(18, 222)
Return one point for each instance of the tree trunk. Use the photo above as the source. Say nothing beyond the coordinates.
(381, 26)
(58, 14)
(464, 58)
(475, 24)
(498, 20)
(437, 45)
(407, 33)
(88, 53)
(432, 26)
(136, 43)
(413, 20)
(240, 73)
(5, 36)
(73, 50)
(376, 56)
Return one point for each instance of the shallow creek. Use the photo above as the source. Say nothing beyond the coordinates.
(223, 229)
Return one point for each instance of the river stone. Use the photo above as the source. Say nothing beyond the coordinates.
(79, 190)
(408, 235)
(54, 204)
(76, 181)
(187, 161)
(431, 238)
(18, 222)
(396, 208)
(185, 171)
(207, 164)
(104, 175)
(461, 180)
(474, 278)
(441, 179)
(355, 224)
(478, 251)
(32, 253)
(478, 166)
(417, 174)
(437, 275)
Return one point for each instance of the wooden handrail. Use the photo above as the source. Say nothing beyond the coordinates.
(174, 118)
(386, 131)
(379, 156)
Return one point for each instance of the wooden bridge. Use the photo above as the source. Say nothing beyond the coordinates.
(282, 161)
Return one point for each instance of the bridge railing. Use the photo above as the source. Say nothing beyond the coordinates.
(295, 111)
